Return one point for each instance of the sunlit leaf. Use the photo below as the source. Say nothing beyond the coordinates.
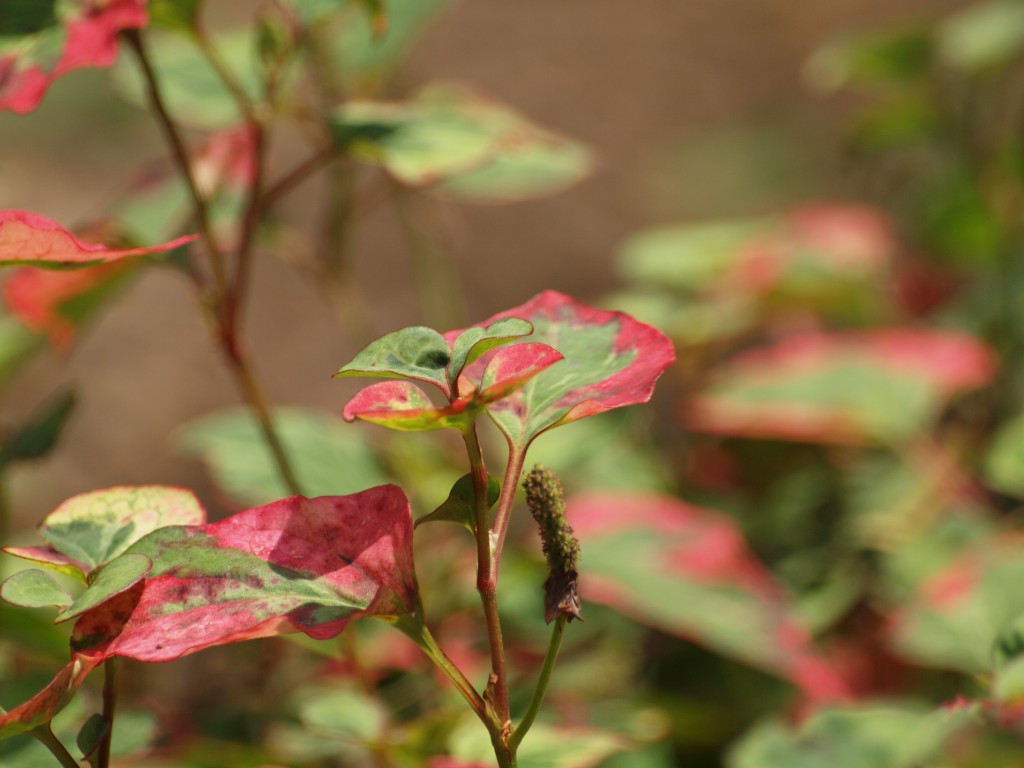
(687, 571)
(28, 238)
(883, 385)
(982, 35)
(48, 702)
(479, 149)
(34, 589)
(41, 40)
(460, 506)
(610, 361)
(329, 457)
(297, 565)
(93, 528)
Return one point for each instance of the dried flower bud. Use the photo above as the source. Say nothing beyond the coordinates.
(561, 548)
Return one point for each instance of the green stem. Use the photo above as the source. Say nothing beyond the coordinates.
(542, 684)
(421, 635)
(109, 710)
(487, 577)
(225, 75)
(45, 736)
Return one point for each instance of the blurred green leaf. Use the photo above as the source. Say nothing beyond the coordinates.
(343, 713)
(546, 746)
(1004, 461)
(329, 456)
(34, 589)
(886, 57)
(982, 35)
(38, 437)
(175, 14)
(460, 506)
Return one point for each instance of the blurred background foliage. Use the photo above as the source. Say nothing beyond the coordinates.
(807, 550)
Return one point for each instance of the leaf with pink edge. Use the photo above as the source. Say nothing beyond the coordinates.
(93, 528)
(50, 559)
(610, 361)
(884, 385)
(27, 238)
(403, 406)
(471, 343)
(297, 565)
(43, 40)
(48, 702)
(687, 571)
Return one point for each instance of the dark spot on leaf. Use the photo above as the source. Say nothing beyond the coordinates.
(433, 358)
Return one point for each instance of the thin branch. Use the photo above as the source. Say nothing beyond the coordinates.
(542, 684)
(45, 736)
(109, 710)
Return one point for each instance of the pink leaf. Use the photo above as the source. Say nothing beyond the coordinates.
(89, 31)
(841, 387)
(688, 571)
(48, 702)
(28, 238)
(297, 565)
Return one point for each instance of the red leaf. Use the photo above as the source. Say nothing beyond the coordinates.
(89, 32)
(297, 565)
(688, 571)
(48, 702)
(28, 238)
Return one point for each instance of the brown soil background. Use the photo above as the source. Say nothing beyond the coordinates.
(695, 108)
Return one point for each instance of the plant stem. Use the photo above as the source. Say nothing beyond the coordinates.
(486, 576)
(542, 684)
(177, 144)
(421, 635)
(109, 710)
(513, 471)
(45, 736)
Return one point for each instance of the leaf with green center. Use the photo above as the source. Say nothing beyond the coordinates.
(468, 345)
(115, 577)
(403, 406)
(48, 702)
(30, 239)
(688, 571)
(884, 385)
(460, 506)
(297, 565)
(610, 361)
(416, 353)
(34, 589)
(94, 528)
(329, 457)
(42, 40)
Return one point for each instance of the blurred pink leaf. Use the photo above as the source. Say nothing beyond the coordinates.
(297, 565)
(841, 387)
(687, 571)
(83, 33)
(30, 239)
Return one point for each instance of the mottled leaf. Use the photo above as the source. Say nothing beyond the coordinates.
(297, 565)
(329, 457)
(480, 149)
(34, 589)
(48, 702)
(687, 571)
(468, 345)
(460, 506)
(416, 353)
(93, 528)
(884, 385)
(28, 238)
(43, 40)
(610, 361)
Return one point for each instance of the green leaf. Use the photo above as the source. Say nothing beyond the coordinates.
(1004, 460)
(34, 589)
(870, 736)
(983, 35)
(891, 56)
(460, 506)
(194, 92)
(115, 577)
(93, 528)
(416, 353)
(91, 734)
(329, 456)
(181, 15)
(38, 437)
(344, 713)
(468, 345)
(479, 149)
